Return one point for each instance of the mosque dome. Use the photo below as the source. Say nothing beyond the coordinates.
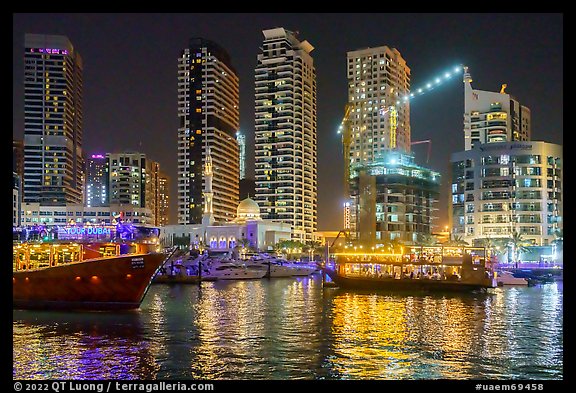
(248, 209)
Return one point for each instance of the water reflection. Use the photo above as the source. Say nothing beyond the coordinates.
(54, 345)
(501, 335)
(293, 329)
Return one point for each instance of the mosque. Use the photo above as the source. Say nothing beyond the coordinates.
(261, 234)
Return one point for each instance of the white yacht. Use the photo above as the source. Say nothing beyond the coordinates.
(228, 270)
(276, 270)
(278, 267)
(507, 278)
(301, 270)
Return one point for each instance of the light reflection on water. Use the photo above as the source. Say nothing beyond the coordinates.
(290, 328)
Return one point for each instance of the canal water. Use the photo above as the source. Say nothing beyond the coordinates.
(292, 328)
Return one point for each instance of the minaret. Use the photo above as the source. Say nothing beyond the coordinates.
(208, 216)
(467, 79)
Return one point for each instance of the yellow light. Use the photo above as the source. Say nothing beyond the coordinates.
(77, 278)
(128, 276)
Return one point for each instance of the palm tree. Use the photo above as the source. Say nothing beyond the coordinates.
(312, 246)
(558, 243)
(426, 239)
(244, 243)
(457, 241)
(288, 247)
(492, 245)
(518, 243)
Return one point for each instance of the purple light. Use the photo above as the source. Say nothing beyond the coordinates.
(97, 156)
(50, 51)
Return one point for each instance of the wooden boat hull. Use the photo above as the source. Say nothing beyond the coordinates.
(110, 283)
(394, 285)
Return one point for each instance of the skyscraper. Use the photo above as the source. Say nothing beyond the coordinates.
(53, 163)
(491, 117)
(18, 158)
(208, 109)
(97, 181)
(503, 182)
(379, 118)
(130, 182)
(163, 204)
(388, 196)
(285, 129)
(241, 139)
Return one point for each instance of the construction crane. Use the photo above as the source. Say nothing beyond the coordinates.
(346, 233)
(391, 111)
(429, 141)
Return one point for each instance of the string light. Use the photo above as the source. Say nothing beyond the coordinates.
(429, 86)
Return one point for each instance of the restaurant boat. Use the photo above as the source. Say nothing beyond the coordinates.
(423, 268)
(90, 268)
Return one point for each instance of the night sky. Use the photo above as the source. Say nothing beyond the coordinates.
(130, 77)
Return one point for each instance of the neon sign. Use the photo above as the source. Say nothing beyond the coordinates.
(87, 231)
(50, 51)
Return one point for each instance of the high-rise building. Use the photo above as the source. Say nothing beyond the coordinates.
(163, 204)
(18, 157)
(152, 171)
(97, 181)
(208, 109)
(241, 139)
(128, 179)
(392, 198)
(16, 199)
(53, 163)
(510, 187)
(285, 129)
(491, 117)
(387, 196)
(379, 118)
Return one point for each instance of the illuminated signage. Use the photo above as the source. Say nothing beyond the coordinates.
(87, 231)
(49, 51)
(97, 156)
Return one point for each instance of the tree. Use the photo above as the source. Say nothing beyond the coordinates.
(289, 247)
(426, 239)
(518, 244)
(558, 238)
(558, 244)
(492, 245)
(395, 246)
(457, 241)
(243, 243)
(312, 247)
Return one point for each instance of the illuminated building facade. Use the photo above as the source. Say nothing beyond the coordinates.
(163, 205)
(53, 162)
(491, 117)
(18, 157)
(259, 233)
(78, 214)
(16, 199)
(208, 111)
(241, 139)
(501, 188)
(388, 196)
(379, 119)
(97, 181)
(392, 198)
(285, 132)
(133, 180)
